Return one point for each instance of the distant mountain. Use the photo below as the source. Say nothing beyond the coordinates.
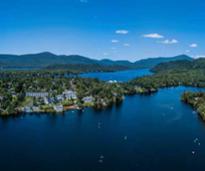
(181, 65)
(151, 62)
(42, 60)
(118, 62)
(50, 60)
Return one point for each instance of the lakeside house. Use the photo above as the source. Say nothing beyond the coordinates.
(37, 94)
(88, 99)
(58, 108)
(35, 109)
(27, 109)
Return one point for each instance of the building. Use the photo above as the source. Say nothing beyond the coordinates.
(27, 109)
(58, 108)
(69, 94)
(45, 99)
(37, 94)
(112, 81)
(60, 97)
(88, 99)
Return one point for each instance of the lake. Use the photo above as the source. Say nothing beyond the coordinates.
(121, 76)
(145, 133)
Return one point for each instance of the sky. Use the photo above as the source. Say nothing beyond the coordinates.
(114, 29)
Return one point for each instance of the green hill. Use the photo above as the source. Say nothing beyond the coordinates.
(182, 65)
(78, 63)
(152, 62)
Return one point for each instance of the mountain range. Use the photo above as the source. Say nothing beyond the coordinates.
(51, 61)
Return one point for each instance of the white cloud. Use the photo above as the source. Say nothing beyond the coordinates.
(121, 31)
(153, 36)
(126, 44)
(169, 42)
(199, 56)
(105, 54)
(193, 45)
(187, 51)
(84, 1)
(115, 41)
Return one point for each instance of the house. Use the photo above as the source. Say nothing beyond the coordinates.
(27, 109)
(35, 109)
(88, 99)
(45, 99)
(60, 97)
(69, 94)
(37, 94)
(58, 108)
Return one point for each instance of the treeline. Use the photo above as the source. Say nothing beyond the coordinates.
(184, 72)
(195, 78)
(82, 68)
(181, 65)
(196, 100)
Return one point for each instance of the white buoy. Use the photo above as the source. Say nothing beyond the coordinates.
(100, 161)
(196, 140)
(99, 125)
(102, 157)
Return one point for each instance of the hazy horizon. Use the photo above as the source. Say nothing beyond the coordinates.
(105, 58)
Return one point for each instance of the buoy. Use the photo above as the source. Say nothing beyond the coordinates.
(99, 125)
(100, 161)
(195, 140)
(102, 157)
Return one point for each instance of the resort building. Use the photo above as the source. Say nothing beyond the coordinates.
(37, 94)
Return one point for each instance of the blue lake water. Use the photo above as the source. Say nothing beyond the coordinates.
(118, 76)
(145, 133)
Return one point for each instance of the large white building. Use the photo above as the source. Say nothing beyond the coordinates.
(37, 94)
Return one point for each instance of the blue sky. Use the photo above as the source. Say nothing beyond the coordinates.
(116, 29)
